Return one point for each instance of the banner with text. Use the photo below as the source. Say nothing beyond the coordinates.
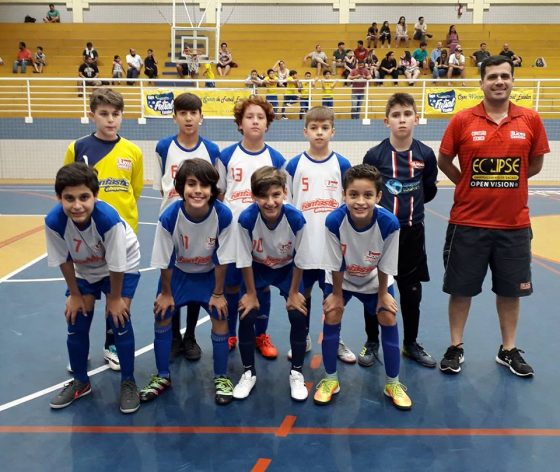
(158, 102)
(445, 101)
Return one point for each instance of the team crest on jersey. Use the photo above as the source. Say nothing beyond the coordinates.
(285, 248)
(124, 164)
(478, 135)
(210, 243)
(517, 135)
(331, 184)
(417, 164)
(372, 257)
(394, 186)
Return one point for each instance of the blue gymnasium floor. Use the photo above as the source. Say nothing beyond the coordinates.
(485, 419)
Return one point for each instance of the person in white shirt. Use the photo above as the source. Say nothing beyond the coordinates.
(135, 64)
(456, 65)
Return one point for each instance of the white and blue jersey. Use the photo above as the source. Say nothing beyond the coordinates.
(194, 246)
(236, 166)
(108, 243)
(409, 178)
(315, 188)
(170, 155)
(360, 253)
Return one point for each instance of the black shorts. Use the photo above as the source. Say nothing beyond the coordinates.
(413, 263)
(469, 251)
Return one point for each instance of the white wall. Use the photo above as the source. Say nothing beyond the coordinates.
(522, 14)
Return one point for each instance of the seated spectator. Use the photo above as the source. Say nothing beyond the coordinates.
(209, 75)
(372, 35)
(482, 54)
(271, 82)
(338, 56)
(410, 67)
(1, 61)
(436, 53)
(39, 61)
(372, 63)
(456, 65)
(24, 57)
(507, 52)
(225, 61)
(150, 65)
(134, 63)
(361, 52)
(118, 70)
(88, 70)
(318, 60)
(402, 33)
(53, 15)
(385, 34)
(441, 66)
(452, 39)
(282, 72)
(421, 30)
(327, 87)
(388, 66)
(91, 52)
(305, 96)
(254, 79)
(421, 56)
(295, 88)
(350, 63)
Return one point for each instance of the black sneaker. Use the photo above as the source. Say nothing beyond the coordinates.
(514, 360)
(191, 349)
(452, 360)
(368, 354)
(70, 392)
(176, 347)
(417, 353)
(130, 400)
(224, 390)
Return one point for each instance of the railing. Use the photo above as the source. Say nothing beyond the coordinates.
(41, 97)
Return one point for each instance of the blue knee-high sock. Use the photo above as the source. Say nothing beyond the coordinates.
(163, 336)
(77, 342)
(331, 337)
(221, 351)
(261, 323)
(247, 340)
(298, 333)
(124, 342)
(232, 300)
(109, 334)
(391, 351)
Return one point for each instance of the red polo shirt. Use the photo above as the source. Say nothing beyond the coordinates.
(494, 159)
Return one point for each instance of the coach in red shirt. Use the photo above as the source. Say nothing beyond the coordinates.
(500, 146)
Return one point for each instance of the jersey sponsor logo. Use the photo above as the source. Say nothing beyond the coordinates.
(114, 185)
(243, 195)
(320, 205)
(331, 184)
(85, 159)
(478, 135)
(89, 260)
(356, 270)
(372, 257)
(517, 135)
(394, 186)
(270, 261)
(195, 260)
(417, 164)
(210, 243)
(495, 172)
(285, 248)
(124, 164)
(525, 286)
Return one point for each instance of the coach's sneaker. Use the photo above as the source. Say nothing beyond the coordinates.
(514, 360)
(111, 357)
(452, 360)
(224, 390)
(307, 347)
(368, 354)
(265, 347)
(156, 386)
(396, 391)
(232, 342)
(245, 385)
(417, 353)
(191, 348)
(325, 391)
(298, 390)
(70, 392)
(176, 347)
(345, 354)
(130, 400)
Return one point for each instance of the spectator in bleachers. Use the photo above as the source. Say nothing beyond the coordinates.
(135, 64)
(271, 83)
(150, 65)
(441, 66)
(409, 67)
(39, 61)
(456, 65)
(24, 57)
(350, 63)
(254, 79)
(209, 75)
(482, 54)
(358, 77)
(372, 63)
(53, 15)
(282, 72)
(295, 88)
(90, 52)
(361, 52)
(421, 30)
(372, 35)
(452, 39)
(318, 60)
(225, 60)
(88, 70)
(118, 70)
(507, 52)
(388, 66)
(421, 56)
(327, 87)
(338, 56)
(305, 95)
(385, 34)
(401, 33)
(434, 56)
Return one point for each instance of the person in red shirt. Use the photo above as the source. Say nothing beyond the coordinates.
(361, 52)
(500, 146)
(24, 57)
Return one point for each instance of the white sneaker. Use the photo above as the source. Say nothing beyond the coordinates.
(69, 367)
(244, 386)
(307, 347)
(345, 354)
(298, 390)
(110, 355)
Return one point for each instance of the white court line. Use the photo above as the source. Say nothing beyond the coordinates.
(54, 279)
(151, 198)
(91, 373)
(17, 271)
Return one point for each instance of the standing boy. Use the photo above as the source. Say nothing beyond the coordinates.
(120, 169)
(97, 252)
(409, 171)
(170, 153)
(362, 251)
(236, 165)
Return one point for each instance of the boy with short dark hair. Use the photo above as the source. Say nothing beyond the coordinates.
(361, 253)
(97, 252)
(171, 152)
(409, 171)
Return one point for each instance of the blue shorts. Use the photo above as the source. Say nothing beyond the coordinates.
(130, 282)
(369, 300)
(280, 278)
(310, 276)
(234, 276)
